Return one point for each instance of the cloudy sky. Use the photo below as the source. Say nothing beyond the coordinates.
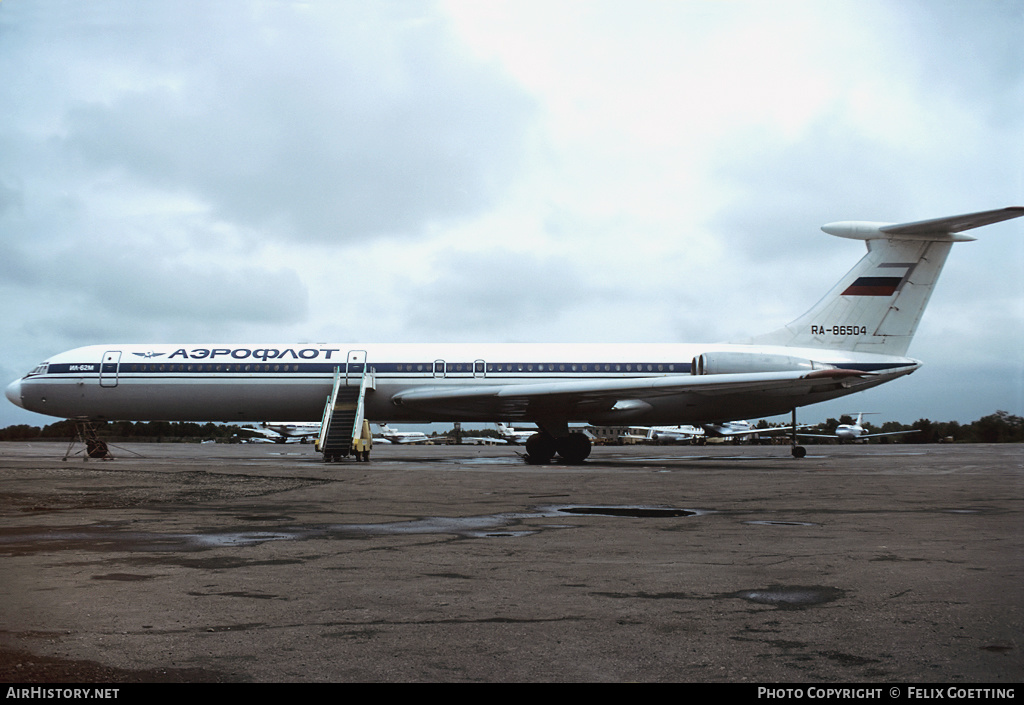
(550, 170)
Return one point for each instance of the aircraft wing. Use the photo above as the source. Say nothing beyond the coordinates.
(578, 399)
(404, 440)
(483, 440)
(264, 435)
(857, 438)
(890, 433)
(721, 432)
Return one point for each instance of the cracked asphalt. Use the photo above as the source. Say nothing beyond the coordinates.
(259, 563)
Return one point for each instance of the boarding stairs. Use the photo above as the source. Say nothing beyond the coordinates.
(344, 430)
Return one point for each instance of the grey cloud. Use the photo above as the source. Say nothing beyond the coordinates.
(972, 50)
(337, 124)
(788, 189)
(319, 122)
(137, 275)
(190, 292)
(500, 292)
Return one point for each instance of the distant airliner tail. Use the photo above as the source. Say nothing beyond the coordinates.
(876, 307)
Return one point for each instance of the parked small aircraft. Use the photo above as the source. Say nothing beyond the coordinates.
(854, 431)
(392, 436)
(295, 432)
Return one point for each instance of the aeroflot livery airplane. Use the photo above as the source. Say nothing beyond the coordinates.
(855, 338)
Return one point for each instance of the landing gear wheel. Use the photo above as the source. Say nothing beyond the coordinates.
(574, 448)
(95, 448)
(540, 449)
(799, 451)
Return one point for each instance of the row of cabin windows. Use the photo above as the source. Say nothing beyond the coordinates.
(411, 367)
(542, 367)
(208, 367)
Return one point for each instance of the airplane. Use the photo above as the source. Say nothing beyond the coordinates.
(855, 431)
(288, 432)
(392, 436)
(460, 439)
(855, 338)
(670, 434)
(511, 435)
(483, 441)
(740, 430)
(258, 439)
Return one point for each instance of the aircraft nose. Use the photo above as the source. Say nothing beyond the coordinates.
(13, 392)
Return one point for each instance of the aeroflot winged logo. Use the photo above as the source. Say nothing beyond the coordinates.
(148, 355)
(881, 285)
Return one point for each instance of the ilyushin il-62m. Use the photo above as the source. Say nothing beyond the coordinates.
(855, 338)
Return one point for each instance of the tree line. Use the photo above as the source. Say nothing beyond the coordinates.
(1000, 427)
(129, 430)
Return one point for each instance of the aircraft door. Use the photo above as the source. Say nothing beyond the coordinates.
(109, 368)
(355, 365)
(439, 368)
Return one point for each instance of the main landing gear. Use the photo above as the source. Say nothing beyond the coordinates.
(798, 450)
(575, 447)
(541, 447)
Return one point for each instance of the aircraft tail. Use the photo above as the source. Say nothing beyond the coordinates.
(876, 307)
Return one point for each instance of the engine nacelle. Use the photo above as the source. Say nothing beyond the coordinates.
(723, 363)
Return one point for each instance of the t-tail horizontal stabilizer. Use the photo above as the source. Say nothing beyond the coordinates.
(939, 229)
(876, 307)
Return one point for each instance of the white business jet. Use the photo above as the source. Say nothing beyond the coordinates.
(482, 441)
(295, 432)
(741, 430)
(854, 339)
(511, 435)
(668, 434)
(855, 431)
(392, 436)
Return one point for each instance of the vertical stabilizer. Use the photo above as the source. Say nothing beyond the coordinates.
(876, 307)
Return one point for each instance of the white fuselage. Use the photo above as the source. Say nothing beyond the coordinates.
(848, 433)
(234, 382)
(671, 434)
(394, 436)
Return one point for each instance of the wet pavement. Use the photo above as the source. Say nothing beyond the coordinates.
(185, 562)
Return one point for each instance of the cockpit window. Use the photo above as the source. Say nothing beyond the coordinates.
(39, 369)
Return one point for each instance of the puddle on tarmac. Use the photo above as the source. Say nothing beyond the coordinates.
(491, 460)
(780, 523)
(791, 597)
(635, 512)
(242, 538)
(107, 537)
(478, 526)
